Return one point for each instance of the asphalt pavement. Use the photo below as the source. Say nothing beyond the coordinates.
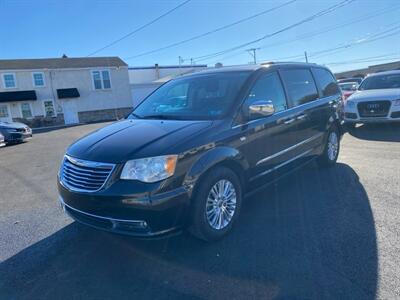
(315, 234)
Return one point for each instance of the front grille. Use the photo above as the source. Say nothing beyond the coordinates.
(82, 175)
(373, 108)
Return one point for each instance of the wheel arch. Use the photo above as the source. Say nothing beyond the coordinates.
(217, 157)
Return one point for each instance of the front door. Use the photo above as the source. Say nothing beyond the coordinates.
(5, 115)
(268, 138)
(70, 110)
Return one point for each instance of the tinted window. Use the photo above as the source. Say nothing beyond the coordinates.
(268, 87)
(199, 97)
(326, 82)
(300, 86)
(377, 82)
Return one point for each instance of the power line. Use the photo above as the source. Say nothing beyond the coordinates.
(368, 39)
(308, 19)
(212, 31)
(332, 28)
(140, 28)
(318, 32)
(389, 56)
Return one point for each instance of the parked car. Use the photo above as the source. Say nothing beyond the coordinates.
(188, 153)
(348, 88)
(2, 142)
(377, 100)
(351, 79)
(15, 132)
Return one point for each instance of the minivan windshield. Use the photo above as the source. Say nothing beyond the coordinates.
(377, 82)
(203, 97)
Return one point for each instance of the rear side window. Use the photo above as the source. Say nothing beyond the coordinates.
(326, 82)
(300, 86)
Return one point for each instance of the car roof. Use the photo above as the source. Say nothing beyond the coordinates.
(393, 72)
(252, 67)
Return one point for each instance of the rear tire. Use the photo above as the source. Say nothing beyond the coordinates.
(216, 204)
(329, 157)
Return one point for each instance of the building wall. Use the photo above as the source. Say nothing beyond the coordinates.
(141, 91)
(143, 75)
(144, 80)
(369, 70)
(119, 96)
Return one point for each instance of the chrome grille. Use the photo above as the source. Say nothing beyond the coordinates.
(374, 108)
(84, 176)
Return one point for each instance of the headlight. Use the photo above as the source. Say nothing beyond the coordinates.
(150, 169)
(396, 102)
(350, 104)
(11, 130)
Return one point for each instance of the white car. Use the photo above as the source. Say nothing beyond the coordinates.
(376, 100)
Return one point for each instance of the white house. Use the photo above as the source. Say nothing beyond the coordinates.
(144, 80)
(43, 92)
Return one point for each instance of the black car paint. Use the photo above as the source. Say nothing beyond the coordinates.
(20, 132)
(201, 145)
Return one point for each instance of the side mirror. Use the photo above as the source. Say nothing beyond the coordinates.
(261, 108)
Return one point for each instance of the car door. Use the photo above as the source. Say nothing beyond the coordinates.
(307, 111)
(267, 137)
(328, 107)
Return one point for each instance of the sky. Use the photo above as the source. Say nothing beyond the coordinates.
(361, 33)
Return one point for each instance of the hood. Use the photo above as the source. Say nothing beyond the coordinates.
(372, 95)
(135, 138)
(12, 125)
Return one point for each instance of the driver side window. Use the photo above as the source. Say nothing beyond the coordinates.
(268, 87)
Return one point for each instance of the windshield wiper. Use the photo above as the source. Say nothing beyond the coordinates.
(160, 117)
(135, 115)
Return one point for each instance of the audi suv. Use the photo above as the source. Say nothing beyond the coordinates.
(376, 100)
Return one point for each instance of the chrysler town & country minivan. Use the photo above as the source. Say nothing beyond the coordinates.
(186, 156)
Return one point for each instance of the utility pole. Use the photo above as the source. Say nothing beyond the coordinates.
(305, 55)
(252, 52)
(180, 60)
(191, 61)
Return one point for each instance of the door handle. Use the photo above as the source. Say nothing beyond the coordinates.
(289, 121)
(301, 117)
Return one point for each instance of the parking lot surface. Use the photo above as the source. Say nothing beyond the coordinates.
(316, 234)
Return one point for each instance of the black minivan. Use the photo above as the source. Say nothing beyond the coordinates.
(186, 156)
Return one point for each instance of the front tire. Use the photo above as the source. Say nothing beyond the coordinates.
(216, 204)
(329, 157)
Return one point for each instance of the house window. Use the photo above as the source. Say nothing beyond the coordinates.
(26, 110)
(9, 81)
(4, 111)
(38, 79)
(101, 80)
(49, 109)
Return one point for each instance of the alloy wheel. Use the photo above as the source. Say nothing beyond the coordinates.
(333, 146)
(221, 204)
